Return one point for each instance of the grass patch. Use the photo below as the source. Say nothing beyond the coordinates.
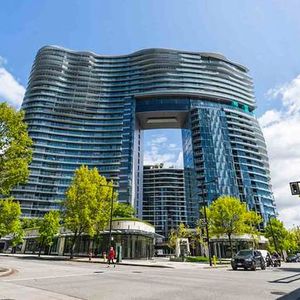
(196, 259)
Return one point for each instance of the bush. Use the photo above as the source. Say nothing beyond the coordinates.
(196, 259)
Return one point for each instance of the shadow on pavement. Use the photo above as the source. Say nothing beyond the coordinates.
(43, 258)
(287, 279)
(290, 269)
(294, 295)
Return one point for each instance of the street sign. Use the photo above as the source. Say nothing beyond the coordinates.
(295, 187)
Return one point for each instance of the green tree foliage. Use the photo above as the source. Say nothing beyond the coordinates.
(87, 204)
(123, 210)
(279, 237)
(17, 235)
(180, 232)
(29, 223)
(10, 212)
(49, 228)
(15, 149)
(227, 215)
(295, 232)
(252, 222)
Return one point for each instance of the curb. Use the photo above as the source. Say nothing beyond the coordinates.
(124, 264)
(82, 261)
(6, 272)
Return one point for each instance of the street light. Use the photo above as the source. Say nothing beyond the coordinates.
(111, 209)
(205, 217)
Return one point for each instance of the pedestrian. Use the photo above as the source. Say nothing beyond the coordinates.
(90, 255)
(111, 257)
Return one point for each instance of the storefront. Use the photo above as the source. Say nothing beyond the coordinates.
(135, 239)
(221, 248)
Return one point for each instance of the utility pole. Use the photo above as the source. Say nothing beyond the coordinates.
(111, 215)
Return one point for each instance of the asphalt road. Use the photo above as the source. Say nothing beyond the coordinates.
(35, 279)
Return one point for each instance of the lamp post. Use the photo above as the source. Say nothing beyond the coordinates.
(111, 215)
(205, 218)
(111, 210)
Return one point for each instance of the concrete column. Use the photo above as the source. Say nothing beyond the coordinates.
(219, 251)
(61, 245)
(133, 246)
(23, 246)
(215, 249)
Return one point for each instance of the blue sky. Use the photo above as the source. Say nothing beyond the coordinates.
(262, 35)
(259, 34)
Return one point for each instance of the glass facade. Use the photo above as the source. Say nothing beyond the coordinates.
(164, 204)
(83, 108)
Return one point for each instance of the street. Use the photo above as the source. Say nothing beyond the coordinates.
(36, 279)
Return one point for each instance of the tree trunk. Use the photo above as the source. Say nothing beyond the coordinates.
(40, 248)
(230, 244)
(74, 239)
(90, 245)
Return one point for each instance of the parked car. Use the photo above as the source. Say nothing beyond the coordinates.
(248, 259)
(266, 256)
(293, 258)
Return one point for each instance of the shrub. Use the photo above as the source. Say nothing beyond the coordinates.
(196, 259)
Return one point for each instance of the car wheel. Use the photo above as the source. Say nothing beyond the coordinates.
(253, 268)
(263, 266)
(234, 268)
(245, 268)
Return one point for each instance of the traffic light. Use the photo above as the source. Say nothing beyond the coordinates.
(295, 187)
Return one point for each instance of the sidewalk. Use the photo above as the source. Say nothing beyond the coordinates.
(157, 262)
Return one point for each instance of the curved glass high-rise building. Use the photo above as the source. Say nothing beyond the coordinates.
(83, 108)
(164, 203)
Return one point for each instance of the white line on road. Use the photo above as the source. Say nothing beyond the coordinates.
(49, 277)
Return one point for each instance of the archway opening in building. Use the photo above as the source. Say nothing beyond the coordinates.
(164, 201)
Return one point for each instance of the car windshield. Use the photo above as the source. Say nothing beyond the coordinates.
(245, 252)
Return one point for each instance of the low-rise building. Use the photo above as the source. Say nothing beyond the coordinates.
(133, 237)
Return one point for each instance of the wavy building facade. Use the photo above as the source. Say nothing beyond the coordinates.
(83, 108)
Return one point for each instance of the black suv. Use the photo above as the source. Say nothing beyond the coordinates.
(248, 259)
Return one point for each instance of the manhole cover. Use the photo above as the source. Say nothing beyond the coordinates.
(278, 293)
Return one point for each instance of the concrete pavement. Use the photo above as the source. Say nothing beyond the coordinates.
(41, 280)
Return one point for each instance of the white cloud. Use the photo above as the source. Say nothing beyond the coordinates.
(269, 117)
(161, 151)
(11, 90)
(281, 129)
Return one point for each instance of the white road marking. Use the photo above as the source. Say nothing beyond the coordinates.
(49, 277)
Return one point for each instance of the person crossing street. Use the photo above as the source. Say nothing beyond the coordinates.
(111, 257)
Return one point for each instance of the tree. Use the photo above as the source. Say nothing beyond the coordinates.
(278, 235)
(29, 223)
(227, 215)
(49, 228)
(180, 232)
(123, 210)
(10, 212)
(252, 221)
(86, 208)
(295, 232)
(15, 149)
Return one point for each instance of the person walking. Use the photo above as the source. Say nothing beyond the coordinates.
(111, 256)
